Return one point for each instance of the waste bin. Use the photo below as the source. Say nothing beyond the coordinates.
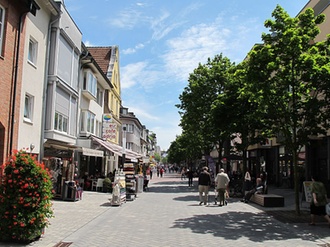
(69, 191)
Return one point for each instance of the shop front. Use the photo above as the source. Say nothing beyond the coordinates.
(59, 158)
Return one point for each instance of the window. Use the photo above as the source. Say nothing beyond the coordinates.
(90, 83)
(90, 122)
(32, 54)
(99, 96)
(98, 131)
(61, 122)
(2, 27)
(129, 145)
(130, 128)
(82, 122)
(67, 62)
(28, 107)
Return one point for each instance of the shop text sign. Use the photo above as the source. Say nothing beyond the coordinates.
(109, 128)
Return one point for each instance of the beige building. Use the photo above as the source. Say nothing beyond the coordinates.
(108, 60)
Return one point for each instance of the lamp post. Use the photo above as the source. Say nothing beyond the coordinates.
(124, 148)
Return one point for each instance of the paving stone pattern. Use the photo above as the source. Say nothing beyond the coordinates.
(169, 215)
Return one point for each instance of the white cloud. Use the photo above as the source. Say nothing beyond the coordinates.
(194, 46)
(88, 43)
(133, 50)
(126, 19)
(130, 74)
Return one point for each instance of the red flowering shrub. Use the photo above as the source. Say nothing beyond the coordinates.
(25, 199)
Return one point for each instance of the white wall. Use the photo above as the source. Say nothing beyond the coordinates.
(33, 77)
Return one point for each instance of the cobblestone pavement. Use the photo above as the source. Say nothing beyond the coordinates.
(169, 215)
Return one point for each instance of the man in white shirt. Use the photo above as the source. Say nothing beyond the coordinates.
(222, 181)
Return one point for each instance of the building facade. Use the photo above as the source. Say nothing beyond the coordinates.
(12, 35)
(33, 76)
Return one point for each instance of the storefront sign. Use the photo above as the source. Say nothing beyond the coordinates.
(109, 128)
(92, 152)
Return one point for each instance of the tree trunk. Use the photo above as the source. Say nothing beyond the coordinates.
(296, 180)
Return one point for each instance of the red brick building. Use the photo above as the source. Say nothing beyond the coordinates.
(12, 22)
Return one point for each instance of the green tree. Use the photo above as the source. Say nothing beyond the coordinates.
(289, 76)
(184, 149)
(236, 115)
(205, 84)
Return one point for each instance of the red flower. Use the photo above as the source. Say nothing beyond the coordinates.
(16, 171)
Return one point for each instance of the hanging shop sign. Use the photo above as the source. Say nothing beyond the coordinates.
(109, 128)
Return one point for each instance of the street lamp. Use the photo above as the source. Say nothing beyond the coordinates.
(124, 148)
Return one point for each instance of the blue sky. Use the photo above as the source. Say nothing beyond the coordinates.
(162, 42)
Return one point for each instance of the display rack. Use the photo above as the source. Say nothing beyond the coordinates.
(130, 187)
(130, 179)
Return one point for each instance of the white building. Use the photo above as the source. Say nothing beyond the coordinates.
(37, 35)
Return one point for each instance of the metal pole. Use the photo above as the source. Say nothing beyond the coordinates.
(124, 148)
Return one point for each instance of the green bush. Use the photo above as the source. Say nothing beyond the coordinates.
(107, 185)
(25, 198)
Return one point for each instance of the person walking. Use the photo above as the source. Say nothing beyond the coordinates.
(190, 175)
(319, 201)
(222, 181)
(204, 182)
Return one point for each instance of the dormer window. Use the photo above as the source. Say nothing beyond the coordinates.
(90, 83)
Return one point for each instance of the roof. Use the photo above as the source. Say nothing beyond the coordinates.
(102, 56)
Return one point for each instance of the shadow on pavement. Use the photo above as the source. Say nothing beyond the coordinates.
(234, 225)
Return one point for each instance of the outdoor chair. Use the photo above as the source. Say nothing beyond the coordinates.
(99, 183)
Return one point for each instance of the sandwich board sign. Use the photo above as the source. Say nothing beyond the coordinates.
(307, 193)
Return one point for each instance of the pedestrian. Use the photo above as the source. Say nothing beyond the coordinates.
(222, 181)
(204, 182)
(247, 180)
(319, 201)
(259, 189)
(183, 173)
(190, 175)
(161, 172)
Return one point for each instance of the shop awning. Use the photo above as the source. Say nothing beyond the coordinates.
(114, 148)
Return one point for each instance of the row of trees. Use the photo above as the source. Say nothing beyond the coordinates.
(281, 89)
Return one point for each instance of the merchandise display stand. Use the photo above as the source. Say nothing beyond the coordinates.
(130, 181)
(119, 190)
(130, 187)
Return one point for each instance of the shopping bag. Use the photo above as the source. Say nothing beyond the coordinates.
(327, 208)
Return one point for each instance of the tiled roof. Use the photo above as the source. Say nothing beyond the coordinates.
(102, 56)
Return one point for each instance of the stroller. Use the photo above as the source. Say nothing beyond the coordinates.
(216, 196)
